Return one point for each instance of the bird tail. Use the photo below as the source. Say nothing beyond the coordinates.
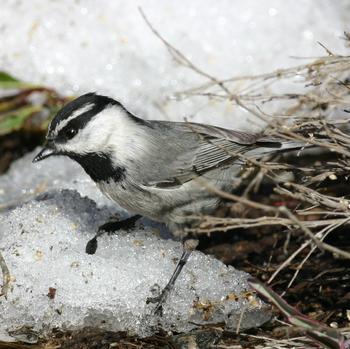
(275, 146)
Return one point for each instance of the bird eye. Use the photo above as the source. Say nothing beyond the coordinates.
(71, 132)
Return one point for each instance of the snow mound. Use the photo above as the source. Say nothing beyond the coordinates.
(56, 285)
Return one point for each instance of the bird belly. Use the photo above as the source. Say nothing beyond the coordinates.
(133, 198)
(174, 206)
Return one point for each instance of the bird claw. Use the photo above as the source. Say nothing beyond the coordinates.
(159, 300)
(91, 246)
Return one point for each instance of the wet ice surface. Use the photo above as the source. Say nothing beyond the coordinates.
(43, 243)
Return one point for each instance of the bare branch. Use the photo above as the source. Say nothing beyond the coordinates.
(6, 277)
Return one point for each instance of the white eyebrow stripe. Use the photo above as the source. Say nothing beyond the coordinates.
(75, 114)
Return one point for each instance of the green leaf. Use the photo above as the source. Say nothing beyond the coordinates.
(7, 81)
(14, 121)
(7, 77)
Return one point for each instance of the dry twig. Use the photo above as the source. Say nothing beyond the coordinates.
(6, 277)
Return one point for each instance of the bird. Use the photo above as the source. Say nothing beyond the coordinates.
(152, 168)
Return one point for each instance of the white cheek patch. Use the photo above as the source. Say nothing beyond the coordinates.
(110, 131)
(87, 107)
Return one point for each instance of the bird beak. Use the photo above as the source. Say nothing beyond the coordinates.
(47, 151)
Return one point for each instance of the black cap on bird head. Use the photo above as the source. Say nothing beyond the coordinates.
(70, 119)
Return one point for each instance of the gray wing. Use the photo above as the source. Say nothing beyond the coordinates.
(189, 150)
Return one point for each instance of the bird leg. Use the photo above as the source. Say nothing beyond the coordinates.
(188, 245)
(110, 228)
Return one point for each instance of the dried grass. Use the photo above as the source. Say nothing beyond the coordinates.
(308, 103)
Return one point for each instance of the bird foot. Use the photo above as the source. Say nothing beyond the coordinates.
(110, 228)
(159, 301)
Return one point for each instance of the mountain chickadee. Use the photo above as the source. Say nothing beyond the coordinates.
(152, 168)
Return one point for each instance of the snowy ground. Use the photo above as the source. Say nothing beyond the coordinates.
(105, 46)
